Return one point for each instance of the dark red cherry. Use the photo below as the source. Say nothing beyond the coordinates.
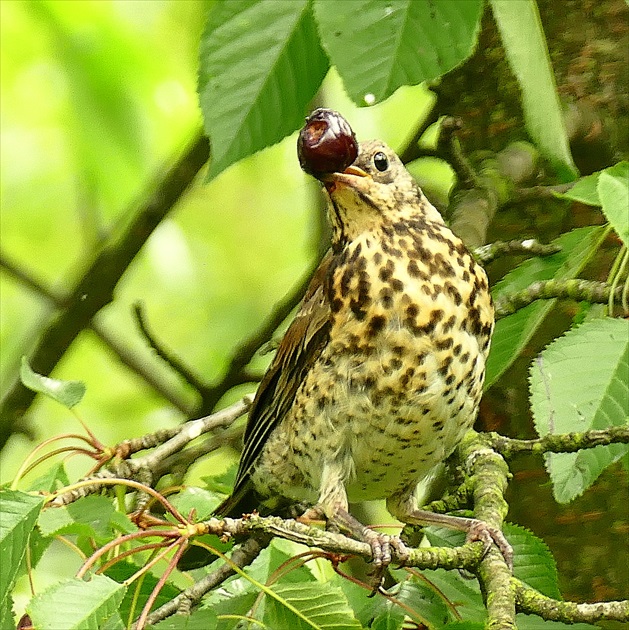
(326, 143)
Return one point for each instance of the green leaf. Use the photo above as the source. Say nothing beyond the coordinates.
(114, 623)
(525, 46)
(379, 46)
(199, 620)
(68, 393)
(18, 514)
(613, 191)
(532, 622)
(76, 605)
(261, 64)
(317, 606)
(138, 593)
(578, 383)
(390, 617)
(231, 604)
(89, 516)
(428, 604)
(197, 499)
(513, 333)
(462, 595)
(6, 613)
(54, 478)
(584, 191)
(222, 482)
(533, 563)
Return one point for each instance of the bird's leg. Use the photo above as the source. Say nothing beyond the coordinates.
(404, 509)
(333, 504)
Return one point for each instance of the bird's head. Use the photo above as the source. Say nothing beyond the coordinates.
(375, 191)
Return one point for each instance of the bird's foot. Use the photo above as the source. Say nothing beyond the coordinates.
(488, 535)
(382, 546)
(474, 528)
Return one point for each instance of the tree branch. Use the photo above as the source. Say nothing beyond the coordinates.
(488, 253)
(532, 602)
(562, 443)
(95, 288)
(573, 289)
(128, 357)
(184, 602)
(489, 474)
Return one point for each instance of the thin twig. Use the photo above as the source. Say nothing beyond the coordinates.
(168, 357)
(183, 603)
(449, 148)
(537, 193)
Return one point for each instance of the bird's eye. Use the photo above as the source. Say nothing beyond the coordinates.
(381, 161)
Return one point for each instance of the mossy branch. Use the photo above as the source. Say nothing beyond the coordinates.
(573, 289)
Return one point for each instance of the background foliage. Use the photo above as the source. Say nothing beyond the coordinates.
(98, 96)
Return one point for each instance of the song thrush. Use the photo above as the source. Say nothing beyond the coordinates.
(381, 372)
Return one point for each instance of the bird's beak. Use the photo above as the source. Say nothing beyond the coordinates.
(347, 177)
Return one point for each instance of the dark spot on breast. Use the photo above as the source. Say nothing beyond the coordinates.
(445, 366)
(377, 258)
(453, 292)
(390, 250)
(355, 253)
(387, 271)
(444, 344)
(346, 278)
(411, 311)
(396, 364)
(450, 379)
(336, 305)
(413, 269)
(465, 357)
(438, 424)
(443, 267)
(449, 324)
(397, 285)
(398, 350)
(386, 297)
(358, 309)
(375, 325)
(456, 351)
(401, 228)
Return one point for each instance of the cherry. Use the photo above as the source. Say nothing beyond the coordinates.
(326, 143)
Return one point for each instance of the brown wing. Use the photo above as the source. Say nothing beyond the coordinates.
(298, 350)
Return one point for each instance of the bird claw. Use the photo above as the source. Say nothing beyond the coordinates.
(382, 546)
(488, 535)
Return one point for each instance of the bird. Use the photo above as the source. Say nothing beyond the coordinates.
(381, 371)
